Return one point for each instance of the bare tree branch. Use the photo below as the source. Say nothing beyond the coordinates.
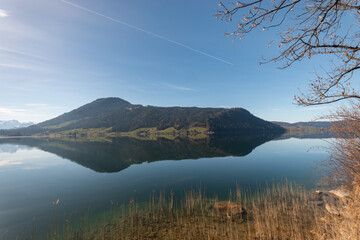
(328, 27)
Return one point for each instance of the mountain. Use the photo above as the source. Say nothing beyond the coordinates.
(12, 124)
(116, 115)
(319, 129)
(317, 124)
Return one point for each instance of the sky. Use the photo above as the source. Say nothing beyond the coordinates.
(57, 55)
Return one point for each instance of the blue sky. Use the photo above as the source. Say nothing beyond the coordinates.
(55, 56)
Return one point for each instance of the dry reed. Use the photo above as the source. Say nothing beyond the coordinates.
(282, 211)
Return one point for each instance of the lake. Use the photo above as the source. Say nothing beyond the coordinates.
(87, 176)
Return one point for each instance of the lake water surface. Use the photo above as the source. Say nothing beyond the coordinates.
(88, 176)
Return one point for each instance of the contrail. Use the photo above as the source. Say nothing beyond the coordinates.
(145, 31)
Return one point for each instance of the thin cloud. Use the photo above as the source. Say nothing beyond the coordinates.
(179, 87)
(28, 67)
(147, 32)
(3, 13)
(11, 110)
(43, 106)
(20, 53)
(23, 31)
(37, 105)
(17, 66)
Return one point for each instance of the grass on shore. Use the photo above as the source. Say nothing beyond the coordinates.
(105, 134)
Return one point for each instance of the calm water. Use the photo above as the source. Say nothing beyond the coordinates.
(87, 176)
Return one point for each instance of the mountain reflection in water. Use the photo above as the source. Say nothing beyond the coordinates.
(120, 153)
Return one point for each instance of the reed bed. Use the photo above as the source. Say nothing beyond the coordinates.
(281, 211)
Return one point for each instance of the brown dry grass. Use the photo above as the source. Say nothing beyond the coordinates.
(344, 170)
(346, 224)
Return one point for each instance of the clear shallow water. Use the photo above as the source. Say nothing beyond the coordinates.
(88, 176)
